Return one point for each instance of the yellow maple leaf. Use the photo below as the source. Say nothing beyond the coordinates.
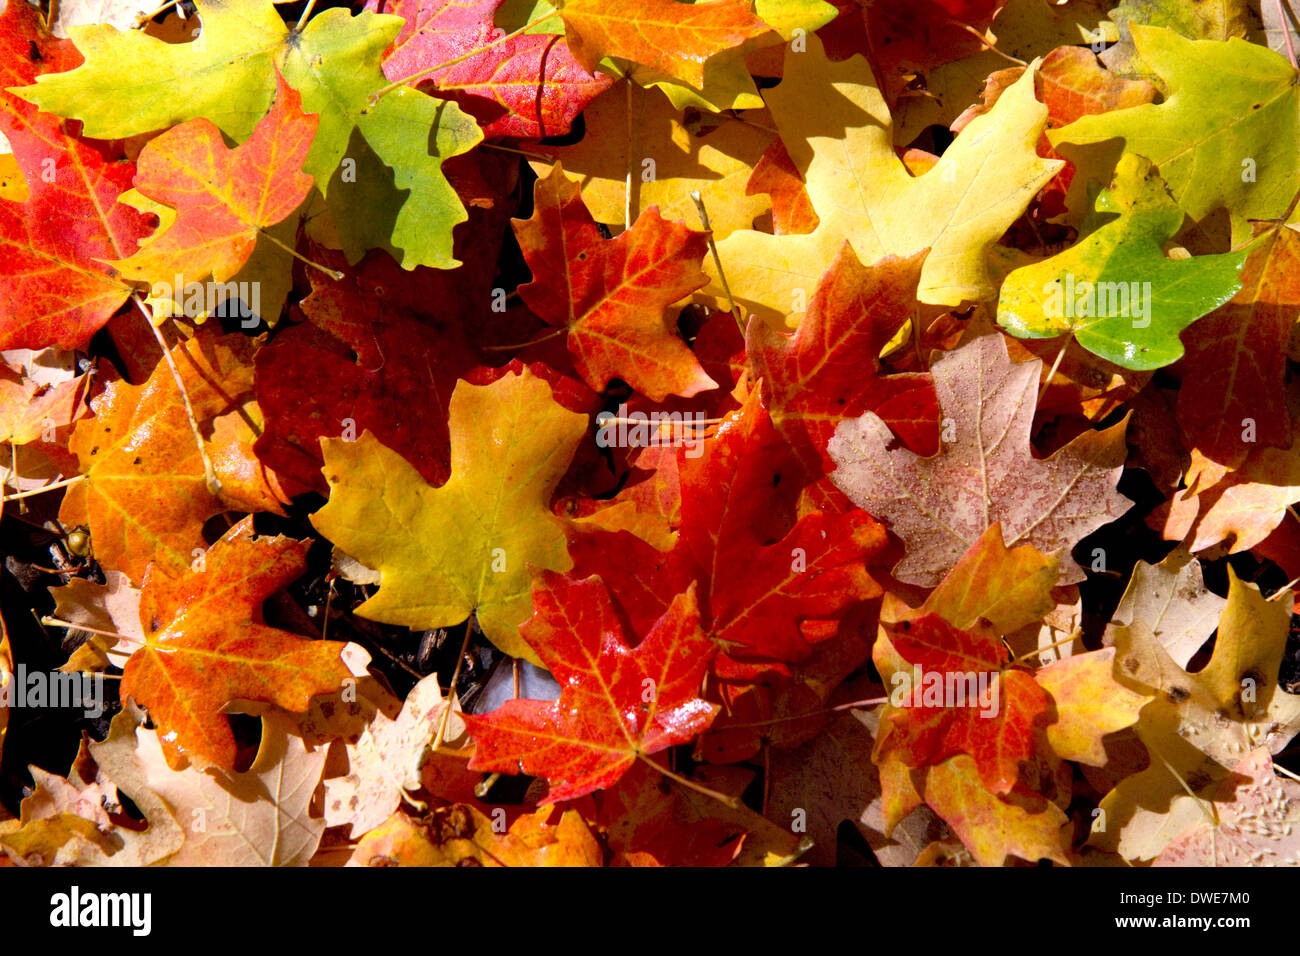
(837, 129)
(466, 546)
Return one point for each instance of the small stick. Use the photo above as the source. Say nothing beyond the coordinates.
(55, 486)
(451, 691)
(717, 262)
(1051, 374)
(209, 473)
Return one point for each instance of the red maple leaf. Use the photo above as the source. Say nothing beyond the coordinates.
(827, 371)
(933, 724)
(54, 287)
(527, 86)
(618, 704)
(613, 295)
(761, 578)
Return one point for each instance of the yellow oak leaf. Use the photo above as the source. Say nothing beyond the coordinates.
(837, 130)
(467, 546)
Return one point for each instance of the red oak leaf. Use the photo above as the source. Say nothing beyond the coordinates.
(613, 296)
(54, 288)
(761, 580)
(827, 371)
(618, 703)
(929, 726)
(528, 86)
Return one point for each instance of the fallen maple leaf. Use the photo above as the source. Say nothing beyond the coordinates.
(664, 35)
(466, 547)
(55, 288)
(836, 128)
(529, 85)
(463, 835)
(985, 474)
(1256, 821)
(827, 371)
(223, 197)
(811, 570)
(205, 645)
(613, 296)
(388, 757)
(1236, 358)
(145, 497)
(618, 704)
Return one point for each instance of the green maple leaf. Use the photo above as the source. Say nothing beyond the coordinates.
(1123, 256)
(1227, 136)
(132, 83)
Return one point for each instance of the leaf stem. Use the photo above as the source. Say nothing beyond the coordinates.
(717, 262)
(451, 690)
(1052, 374)
(55, 486)
(332, 273)
(209, 473)
(722, 798)
(306, 12)
(143, 21)
(627, 182)
(59, 622)
(1074, 636)
(555, 334)
(1282, 10)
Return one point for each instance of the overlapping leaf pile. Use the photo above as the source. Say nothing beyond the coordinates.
(658, 433)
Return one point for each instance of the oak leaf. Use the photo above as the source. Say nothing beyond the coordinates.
(1115, 290)
(1200, 134)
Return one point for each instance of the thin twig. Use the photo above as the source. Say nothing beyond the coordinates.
(717, 262)
(209, 473)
